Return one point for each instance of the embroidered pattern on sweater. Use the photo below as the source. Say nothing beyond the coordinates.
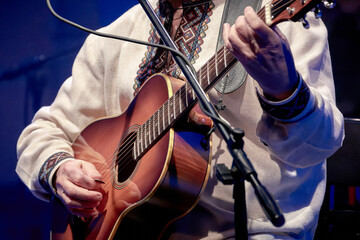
(189, 38)
(49, 164)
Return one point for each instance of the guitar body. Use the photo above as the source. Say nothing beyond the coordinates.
(140, 198)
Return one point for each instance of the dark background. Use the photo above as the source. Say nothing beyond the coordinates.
(30, 33)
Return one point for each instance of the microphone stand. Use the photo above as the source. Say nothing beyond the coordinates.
(242, 169)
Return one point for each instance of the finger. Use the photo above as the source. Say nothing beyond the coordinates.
(243, 29)
(257, 25)
(76, 203)
(226, 30)
(241, 50)
(230, 37)
(77, 192)
(247, 34)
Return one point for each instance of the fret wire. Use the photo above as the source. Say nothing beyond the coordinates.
(202, 83)
(145, 145)
(180, 102)
(174, 106)
(149, 130)
(141, 139)
(207, 72)
(186, 95)
(212, 65)
(153, 125)
(183, 93)
(224, 53)
(168, 112)
(220, 60)
(193, 94)
(158, 123)
(148, 135)
(216, 67)
(171, 106)
(137, 143)
(189, 93)
(145, 134)
(163, 117)
(133, 149)
(205, 76)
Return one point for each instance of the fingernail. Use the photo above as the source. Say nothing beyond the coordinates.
(99, 181)
(99, 197)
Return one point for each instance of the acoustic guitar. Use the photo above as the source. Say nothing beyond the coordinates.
(154, 163)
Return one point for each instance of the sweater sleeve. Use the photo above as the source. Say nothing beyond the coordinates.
(79, 101)
(316, 136)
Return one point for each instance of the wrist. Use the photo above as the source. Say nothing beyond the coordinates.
(47, 174)
(293, 108)
(283, 89)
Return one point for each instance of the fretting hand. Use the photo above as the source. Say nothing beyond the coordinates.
(264, 53)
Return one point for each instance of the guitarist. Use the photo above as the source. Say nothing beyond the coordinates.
(285, 105)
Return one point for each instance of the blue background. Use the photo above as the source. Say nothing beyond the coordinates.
(29, 31)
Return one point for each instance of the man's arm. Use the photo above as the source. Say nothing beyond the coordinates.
(301, 124)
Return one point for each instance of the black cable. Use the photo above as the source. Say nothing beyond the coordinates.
(107, 35)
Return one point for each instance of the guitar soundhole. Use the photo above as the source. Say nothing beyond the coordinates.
(126, 163)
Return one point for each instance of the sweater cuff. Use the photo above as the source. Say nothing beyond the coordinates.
(292, 109)
(49, 167)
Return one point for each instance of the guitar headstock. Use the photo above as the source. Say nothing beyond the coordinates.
(278, 11)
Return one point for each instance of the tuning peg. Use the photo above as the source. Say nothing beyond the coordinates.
(304, 22)
(318, 12)
(330, 4)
